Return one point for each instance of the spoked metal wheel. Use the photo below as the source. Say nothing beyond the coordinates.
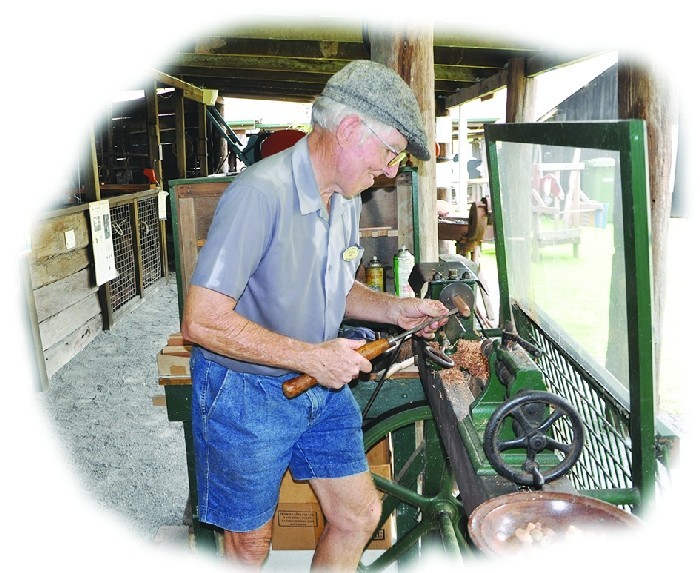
(429, 516)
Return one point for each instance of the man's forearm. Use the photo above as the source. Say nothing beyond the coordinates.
(211, 321)
(363, 303)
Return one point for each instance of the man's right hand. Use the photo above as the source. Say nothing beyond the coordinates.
(335, 362)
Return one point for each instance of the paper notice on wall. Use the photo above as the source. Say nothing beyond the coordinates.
(162, 205)
(102, 246)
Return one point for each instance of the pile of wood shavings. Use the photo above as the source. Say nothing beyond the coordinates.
(537, 536)
(471, 367)
(453, 375)
(469, 357)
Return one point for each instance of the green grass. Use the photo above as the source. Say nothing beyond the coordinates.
(573, 291)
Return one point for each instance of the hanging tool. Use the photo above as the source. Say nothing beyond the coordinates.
(295, 386)
(220, 124)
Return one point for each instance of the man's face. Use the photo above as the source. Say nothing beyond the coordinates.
(371, 152)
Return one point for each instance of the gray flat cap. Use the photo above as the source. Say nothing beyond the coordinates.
(380, 93)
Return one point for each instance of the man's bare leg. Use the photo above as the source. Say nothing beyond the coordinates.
(250, 548)
(352, 508)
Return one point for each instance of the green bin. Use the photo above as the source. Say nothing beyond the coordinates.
(598, 181)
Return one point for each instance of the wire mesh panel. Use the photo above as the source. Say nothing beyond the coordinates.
(606, 460)
(123, 287)
(150, 241)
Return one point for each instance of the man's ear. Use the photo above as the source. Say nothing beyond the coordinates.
(349, 131)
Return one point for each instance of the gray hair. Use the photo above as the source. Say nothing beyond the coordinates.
(328, 113)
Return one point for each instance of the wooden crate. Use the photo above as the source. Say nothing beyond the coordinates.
(193, 202)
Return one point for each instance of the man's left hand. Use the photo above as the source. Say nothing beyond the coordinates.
(413, 311)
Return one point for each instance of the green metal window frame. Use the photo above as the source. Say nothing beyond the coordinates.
(629, 139)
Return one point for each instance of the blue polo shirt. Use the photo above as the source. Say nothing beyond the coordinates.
(274, 247)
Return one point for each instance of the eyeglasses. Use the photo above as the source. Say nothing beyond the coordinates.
(398, 155)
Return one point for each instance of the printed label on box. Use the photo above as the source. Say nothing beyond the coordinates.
(290, 518)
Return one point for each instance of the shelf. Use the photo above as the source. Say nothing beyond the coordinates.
(378, 232)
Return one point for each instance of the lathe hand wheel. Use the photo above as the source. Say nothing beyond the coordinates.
(536, 418)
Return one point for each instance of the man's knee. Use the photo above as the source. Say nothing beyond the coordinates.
(374, 512)
(250, 547)
(351, 504)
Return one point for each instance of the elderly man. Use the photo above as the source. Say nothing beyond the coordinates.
(272, 285)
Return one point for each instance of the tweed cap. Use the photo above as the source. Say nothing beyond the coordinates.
(379, 92)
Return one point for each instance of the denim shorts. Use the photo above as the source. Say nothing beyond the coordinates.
(246, 433)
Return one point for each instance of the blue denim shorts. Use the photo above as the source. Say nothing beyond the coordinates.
(246, 433)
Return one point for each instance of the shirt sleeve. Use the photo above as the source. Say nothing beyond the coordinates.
(238, 237)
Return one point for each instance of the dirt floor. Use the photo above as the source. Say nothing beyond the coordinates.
(129, 458)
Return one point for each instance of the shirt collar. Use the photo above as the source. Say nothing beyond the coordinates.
(305, 178)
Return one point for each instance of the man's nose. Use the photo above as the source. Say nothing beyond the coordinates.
(391, 171)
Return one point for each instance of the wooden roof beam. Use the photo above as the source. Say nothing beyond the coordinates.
(483, 89)
(533, 66)
(189, 91)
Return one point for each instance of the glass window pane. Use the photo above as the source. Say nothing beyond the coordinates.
(563, 244)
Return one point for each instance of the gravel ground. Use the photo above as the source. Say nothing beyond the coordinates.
(129, 458)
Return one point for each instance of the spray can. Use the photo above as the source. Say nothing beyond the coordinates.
(403, 265)
(374, 275)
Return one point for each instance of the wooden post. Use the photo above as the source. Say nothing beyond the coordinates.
(153, 131)
(202, 130)
(519, 93)
(108, 142)
(135, 218)
(180, 147)
(220, 145)
(464, 154)
(645, 94)
(410, 53)
(519, 110)
(92, 193)
(92, 178)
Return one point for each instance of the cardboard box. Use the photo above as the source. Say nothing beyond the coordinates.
(299, 521)
(176, 339)
(174, 358)
(384, 538)
(173, 361)
(380, 453)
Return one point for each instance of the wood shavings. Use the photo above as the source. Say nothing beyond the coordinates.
(453, 376)
(535, 535)
(469, 357)
(471, 367)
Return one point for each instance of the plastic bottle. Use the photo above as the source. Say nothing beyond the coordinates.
(403, 265)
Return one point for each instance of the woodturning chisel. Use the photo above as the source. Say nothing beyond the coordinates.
(295, 386)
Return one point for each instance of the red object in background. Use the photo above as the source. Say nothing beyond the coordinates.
(279, 140)
(150, 175)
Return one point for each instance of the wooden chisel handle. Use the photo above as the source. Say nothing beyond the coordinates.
(295, 386)
(461, 304)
